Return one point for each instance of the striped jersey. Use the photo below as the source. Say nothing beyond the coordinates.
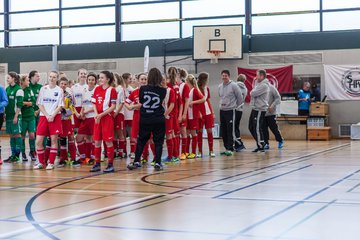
(104, 98)
(194, 110)
(128, 115)
(134, 99)
(206, 108)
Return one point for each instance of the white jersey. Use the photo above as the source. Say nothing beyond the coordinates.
(50, 98)
(78, 92)
(120, 98)
(128, 115)
(86, 102)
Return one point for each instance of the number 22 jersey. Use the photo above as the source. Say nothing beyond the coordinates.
(152, 109)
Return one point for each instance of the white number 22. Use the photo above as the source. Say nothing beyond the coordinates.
(148, 99)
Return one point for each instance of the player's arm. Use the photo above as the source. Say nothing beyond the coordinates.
(19, 104)
(169, 109)
(181, 111)
(185, 110)
(201, 99)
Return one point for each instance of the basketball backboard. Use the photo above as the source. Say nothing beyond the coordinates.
(225, 40)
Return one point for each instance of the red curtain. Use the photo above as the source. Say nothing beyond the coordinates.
(281, 78)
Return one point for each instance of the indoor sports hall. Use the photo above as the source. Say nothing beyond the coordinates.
(278, 157)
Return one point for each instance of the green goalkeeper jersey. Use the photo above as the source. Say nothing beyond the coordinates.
(27, 112)
(15, 95)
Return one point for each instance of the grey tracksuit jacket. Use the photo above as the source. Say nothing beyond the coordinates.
(244, 93)
(274, 100)
(260, 96)
(230, 96)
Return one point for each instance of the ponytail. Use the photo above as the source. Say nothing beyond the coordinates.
(15, 76)
(172, 73)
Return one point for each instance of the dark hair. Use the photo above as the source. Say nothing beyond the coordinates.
(226, 72)
(109, 75)
(125, 76)
(64, 79)
(183, 73)
(172, 72)
(262, 72)
(119, 80)
(15, 76)
(139, 75)
(202, 79)
(32, 74)
(154, 77)
(92, 74)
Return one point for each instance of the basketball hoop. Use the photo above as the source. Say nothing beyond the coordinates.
(215, 56)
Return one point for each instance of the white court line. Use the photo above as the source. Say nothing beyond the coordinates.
(24, 230)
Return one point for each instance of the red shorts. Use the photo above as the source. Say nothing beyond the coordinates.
(176, 125)
(135, 129)
(169, 125)
(77, 121)
(87, 127)
(119, 122)
(128, 123)
(105, 129)
(193, 124)
(207, 121)
(184, 124)
(46, 128)
(67, 128)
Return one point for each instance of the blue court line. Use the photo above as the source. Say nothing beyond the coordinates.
(251, 227)
(305, 219)
(118, 227)
(353, 188)
(262, 181)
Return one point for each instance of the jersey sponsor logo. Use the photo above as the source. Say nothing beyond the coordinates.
(56, 94)
(48, 100)
(78, 95)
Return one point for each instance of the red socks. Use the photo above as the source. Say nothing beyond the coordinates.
(72, 149)
(183, 145)
(170, 147)
(132, 146)
(97, 153)
(81, 147)
(193, 144)
(211, 141)
(110, 154)
(88, 149)
(52, 156)
(122, 147)
(41, 156)
(200, 141)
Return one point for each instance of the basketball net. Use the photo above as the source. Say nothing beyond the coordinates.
(215, 54)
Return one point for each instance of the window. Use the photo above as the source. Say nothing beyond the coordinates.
(80, 3)
(286, 23)
(1, 39)
(1, 22)
(38, 37)
(188, 25)
(150, 31)
(341, 20)
(89, 16)
(22, 5)
(150, 12)
(88, 34)
(213, 8)
(1, 6)
(333, 4)
(267, 6)
(30, 20)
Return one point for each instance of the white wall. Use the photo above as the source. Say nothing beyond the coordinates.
(340, 111)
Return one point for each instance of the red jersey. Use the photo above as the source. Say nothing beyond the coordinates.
(170, 98)
(175, 112)
(133, 98)
(194, 110)
(184, 91)
(104, 98)
(206, 108)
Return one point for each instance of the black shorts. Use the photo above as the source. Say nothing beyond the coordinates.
(1, 120)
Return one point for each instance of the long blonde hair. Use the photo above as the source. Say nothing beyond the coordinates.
(192, 80)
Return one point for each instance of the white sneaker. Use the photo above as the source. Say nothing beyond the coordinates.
(212, 154)
(50, 166)
(199, 155)
(132, 155)
(38, 166)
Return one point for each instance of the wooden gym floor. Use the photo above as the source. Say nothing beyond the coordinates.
(308, 190)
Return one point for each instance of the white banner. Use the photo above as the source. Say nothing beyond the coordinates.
(342, 82)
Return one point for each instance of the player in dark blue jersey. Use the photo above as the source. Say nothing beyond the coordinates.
(152, 119)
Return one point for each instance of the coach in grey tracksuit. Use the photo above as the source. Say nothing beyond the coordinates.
(270, 121)
(230, 98)
(239, 145)
(259, 104)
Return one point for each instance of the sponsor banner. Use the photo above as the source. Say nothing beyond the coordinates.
(342, 82)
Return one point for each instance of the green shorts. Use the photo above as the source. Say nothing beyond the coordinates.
(28, 125)
(13, 128)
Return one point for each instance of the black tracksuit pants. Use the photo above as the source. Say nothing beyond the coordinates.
(270, 122)
(256, 122)
(227, 119)
(158, 133)
(238, 142)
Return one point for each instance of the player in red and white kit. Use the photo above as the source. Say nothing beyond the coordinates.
(120, 141)
(184, 91)
(104, 100)
(128, 115)
(50, 102)
(172, 76)
(84, 138)
(169, 104)
(78, 91)
(195, 100)
(207, 115)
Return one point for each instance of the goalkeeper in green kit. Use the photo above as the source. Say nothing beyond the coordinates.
(28, 119)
